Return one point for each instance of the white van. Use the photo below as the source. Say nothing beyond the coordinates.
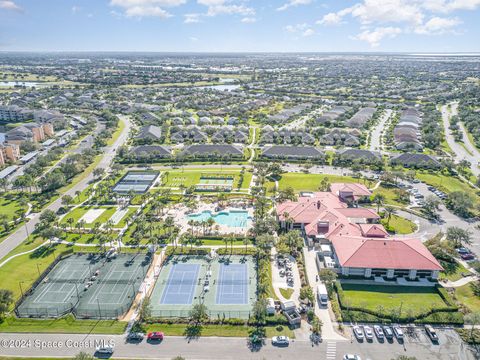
(322, 295)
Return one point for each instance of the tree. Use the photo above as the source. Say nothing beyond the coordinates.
(460, 202)
(5, 221)
(66, 200)
(431, 206)
(459, 236)
(328, 276)
(6, 299)
(48, 217)
(260, 311)
(306, 293)
(389, 211)
(145, 310)
(472, 319)
(324, 184)
(287, 194)
(98, 172)
(198, 314)
(316, 326)
(378, 199)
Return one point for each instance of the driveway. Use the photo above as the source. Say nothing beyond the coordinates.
(279, 282)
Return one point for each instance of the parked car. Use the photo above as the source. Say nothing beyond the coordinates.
(463, 250)
(351, 357)
(135, 336)
(379, 332)
(387, 330)
(432, 334)
(368, 332)
(156, 335)
(280, 340)
(467, 256)
(398, 332)
(358, 332)
(104, 350)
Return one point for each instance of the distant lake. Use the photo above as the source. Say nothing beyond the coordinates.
(2, 138)
(19, 83)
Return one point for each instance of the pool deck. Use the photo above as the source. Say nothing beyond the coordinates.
(181, 214)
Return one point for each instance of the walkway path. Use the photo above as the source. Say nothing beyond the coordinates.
(16, 238)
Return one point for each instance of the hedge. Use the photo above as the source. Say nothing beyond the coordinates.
(179, 250)
(236, 251)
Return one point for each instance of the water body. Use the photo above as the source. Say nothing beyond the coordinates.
(232, 218)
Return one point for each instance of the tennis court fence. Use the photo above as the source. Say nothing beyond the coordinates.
(212, 314)
(100, 313)
(47, 312)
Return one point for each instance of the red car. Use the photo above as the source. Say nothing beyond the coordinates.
(156, 335)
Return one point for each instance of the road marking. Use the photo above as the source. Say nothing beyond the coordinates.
(331, 350)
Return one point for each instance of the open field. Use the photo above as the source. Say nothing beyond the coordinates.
(311, 182)
(191, 177)
(9, 207)
(410, 299)
(447, 183)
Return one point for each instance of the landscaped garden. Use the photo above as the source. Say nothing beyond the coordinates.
(399, 225)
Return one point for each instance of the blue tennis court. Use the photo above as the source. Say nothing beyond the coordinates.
(181, 284)
(233, 284)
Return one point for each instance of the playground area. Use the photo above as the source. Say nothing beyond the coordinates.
(137, 181)
(226, 285)
(88, 285)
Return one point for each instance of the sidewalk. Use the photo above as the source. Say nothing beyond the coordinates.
(328, 328)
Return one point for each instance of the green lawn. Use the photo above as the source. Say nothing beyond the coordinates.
(77, 213)
(9, 207)
(65, 325)
(390, 195)
(412, 299)
(466, 297)
(453, 273)
(311, 182)
(82, 238)
(190, 177)
(116, 134)
(123, 221)
(218, 330)
(447, 183)
(286, 293)
(399, 225)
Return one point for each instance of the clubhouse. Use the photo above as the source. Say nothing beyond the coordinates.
(352, 240)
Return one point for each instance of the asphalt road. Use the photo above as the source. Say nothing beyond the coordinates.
(20, 235)
(460, 153)
(375, 135)
(211, 348)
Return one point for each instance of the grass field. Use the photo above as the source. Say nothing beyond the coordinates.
(311, 182)
(77, 213)
(399, 225)
(391, 197)
(465, 296)
(446, 183)
(191, 177)
(65, 325)
(286, 293)
(123, 221)
(218, 330)
(9, 207)
(116, 134)
(412, 299)
(82, 238)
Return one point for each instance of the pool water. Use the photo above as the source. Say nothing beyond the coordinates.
(237, 218)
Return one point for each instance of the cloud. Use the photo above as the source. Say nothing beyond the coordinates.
(10, 5)
(302, 29)
(146, 8)
(248, 20)
(193, 38)
(191, 18)
(379, 19)
(76, 9)
(373, 37)
(292, 3)
(222, 7)
(438, 26)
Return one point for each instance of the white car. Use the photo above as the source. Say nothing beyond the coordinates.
(280, 341)
(378, 331)
(108, 350)
(358, 332)
(351, 357)
(368, 332)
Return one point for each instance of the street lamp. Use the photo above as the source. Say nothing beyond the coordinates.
(38, 269)
(99, 311)
(20, 284)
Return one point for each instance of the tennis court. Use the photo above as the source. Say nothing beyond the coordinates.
(233, 284)
(137, 181)
(181, 284)
(89, 285)
(226, 285)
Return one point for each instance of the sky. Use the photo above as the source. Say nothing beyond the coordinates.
(241, 25)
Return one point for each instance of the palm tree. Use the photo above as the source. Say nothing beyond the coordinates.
(378, 199)
(389, 211)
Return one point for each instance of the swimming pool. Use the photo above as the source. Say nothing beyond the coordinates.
(232, 218)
